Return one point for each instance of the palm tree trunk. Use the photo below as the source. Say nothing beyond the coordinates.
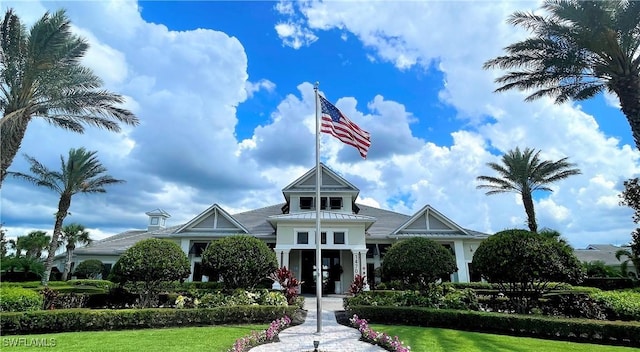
(63, 208)
(67, 265)
(531, 214)
(10, 140)
(628, 91)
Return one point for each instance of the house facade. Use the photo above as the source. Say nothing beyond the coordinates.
(354, 237)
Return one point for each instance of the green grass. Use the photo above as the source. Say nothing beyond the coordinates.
(192, 339)
(446, 340)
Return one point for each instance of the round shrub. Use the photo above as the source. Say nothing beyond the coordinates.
(152, 263)
(418, 261)
(18, 299)
(241, 261)
(89, 269)
(523, 263)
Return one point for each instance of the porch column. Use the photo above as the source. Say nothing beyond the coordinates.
(461, 263)
(184, 245)
(283, 257)
(359, 262)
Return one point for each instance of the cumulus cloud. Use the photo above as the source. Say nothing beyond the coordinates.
(295, 35)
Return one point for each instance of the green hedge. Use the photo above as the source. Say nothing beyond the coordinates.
(582, 330)
(18, 299)
(64, 320)
(623, 305)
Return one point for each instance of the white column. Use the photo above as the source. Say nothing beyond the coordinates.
(184, 245)
(359, 262)
(461, 263)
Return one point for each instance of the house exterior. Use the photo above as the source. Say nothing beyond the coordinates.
(605, 253)
(354, 236)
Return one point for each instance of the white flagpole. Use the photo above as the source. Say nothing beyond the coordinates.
(319, 278)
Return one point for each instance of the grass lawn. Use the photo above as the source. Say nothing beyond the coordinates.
(446, 340)
(210, 339)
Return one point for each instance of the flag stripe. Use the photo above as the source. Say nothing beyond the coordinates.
(336, 124)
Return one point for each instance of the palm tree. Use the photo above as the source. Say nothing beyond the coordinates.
(524, 173)
(41, 76)
(632, 255)
(72, 235)
(576, 51)
(33, 244)
(82, 172)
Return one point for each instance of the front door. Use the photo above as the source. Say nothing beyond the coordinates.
(331, 270)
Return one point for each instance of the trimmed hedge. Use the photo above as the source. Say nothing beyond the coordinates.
(53, 321)
(581, 330)
(17, 299)
(623, 305)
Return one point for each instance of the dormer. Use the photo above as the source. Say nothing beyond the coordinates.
(157, 219)
(336, 193)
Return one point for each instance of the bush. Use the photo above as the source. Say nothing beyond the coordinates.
(460, 299)
(285, 278)
(152, 263)
(622, 305)
(609, 283)
(418, 261)
(524, 264)
(17, 299)
(582, 330)
(242, 261)
(52, 321)
(89, 269)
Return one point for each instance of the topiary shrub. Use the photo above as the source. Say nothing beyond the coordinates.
(418, 261)
(241, 261)
(524, 263)
(89, 269)
(17, 299)
(152, 263)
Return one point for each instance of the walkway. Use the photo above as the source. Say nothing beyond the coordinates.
(334, 337)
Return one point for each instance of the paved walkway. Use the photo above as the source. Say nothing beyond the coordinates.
(334, 337)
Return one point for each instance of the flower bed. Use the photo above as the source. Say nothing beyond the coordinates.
(243, 344)
(378, 338)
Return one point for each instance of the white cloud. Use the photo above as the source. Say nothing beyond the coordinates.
(294, 35)
(265, 84)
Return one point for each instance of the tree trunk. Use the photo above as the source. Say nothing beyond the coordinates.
(10, 140)
(531, 214)
(63, 208)
(627, 89)
(67, 265)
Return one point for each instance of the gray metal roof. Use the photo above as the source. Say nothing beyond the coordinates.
(602, 252)
(257, 223)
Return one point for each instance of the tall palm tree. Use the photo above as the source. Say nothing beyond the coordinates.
(72, 235)
(41, 76)
(82, 172)
(33, 244)
(577, 50)
(632, 253)
(524, 173)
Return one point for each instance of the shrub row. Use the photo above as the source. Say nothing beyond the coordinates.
(623, 305)
(443, 297)
(89, 320)
(609, 283)
(582, 330)
(16, 299)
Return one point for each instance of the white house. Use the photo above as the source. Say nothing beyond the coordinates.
(354, 237)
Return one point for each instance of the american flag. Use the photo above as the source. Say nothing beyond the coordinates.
(336, 124)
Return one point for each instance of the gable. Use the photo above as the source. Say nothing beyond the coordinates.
(429, 220)
(330, 180)
(214, 219)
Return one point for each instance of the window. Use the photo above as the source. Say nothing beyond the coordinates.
(303, 238)
(335, 202)
(323, 203)
(383, 249)
(371, 250)
(338, 238)
(306, 202)
(154, 221)
(323, 237)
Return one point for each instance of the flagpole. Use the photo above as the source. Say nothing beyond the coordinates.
(319, 278)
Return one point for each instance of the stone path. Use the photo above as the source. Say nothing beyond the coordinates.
(334, 337)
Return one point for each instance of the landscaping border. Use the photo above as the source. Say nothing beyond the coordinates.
(578, 330)
(64, 320)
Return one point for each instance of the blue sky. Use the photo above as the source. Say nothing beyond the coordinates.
(224, 92)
